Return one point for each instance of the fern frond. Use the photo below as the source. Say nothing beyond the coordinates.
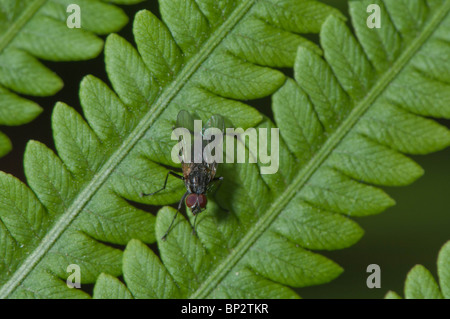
(420, 283)
(79, 201)
(32, 30)
(345, 122)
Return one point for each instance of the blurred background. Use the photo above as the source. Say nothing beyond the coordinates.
(409, 233)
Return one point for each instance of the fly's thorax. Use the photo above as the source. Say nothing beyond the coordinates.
(198, 178)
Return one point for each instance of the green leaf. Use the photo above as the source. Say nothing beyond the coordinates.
(290, 265)
(32, 30)
(316, 229)
(15, 110)
(5, 144)
(23, 73)
(138, 257)
(252, 250)
(126, 81)
(155, 43)
(420, 283)
(245, 42)
(444, 270)
(188, 25)
(245, 284)
(392, 295)
(228, 77)
(351, 67)
(109, 287)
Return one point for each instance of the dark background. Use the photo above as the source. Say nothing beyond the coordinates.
(409, 233)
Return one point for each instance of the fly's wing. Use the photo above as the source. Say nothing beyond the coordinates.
(216, 121)
(213, 186)
(185, 120)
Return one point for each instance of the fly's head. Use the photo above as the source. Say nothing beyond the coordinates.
(196, 202)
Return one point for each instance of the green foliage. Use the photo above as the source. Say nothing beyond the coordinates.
(420, 283)
(80, 200)
(32, 30)
(343, 121)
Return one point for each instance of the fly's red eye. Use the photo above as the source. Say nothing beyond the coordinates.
(202, 200)
(191, 200)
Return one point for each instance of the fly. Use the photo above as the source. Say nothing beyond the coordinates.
(198, 175)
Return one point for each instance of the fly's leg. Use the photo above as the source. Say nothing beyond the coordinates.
(175, 216)
(165, 183)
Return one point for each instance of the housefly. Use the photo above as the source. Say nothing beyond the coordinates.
(199, 171)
